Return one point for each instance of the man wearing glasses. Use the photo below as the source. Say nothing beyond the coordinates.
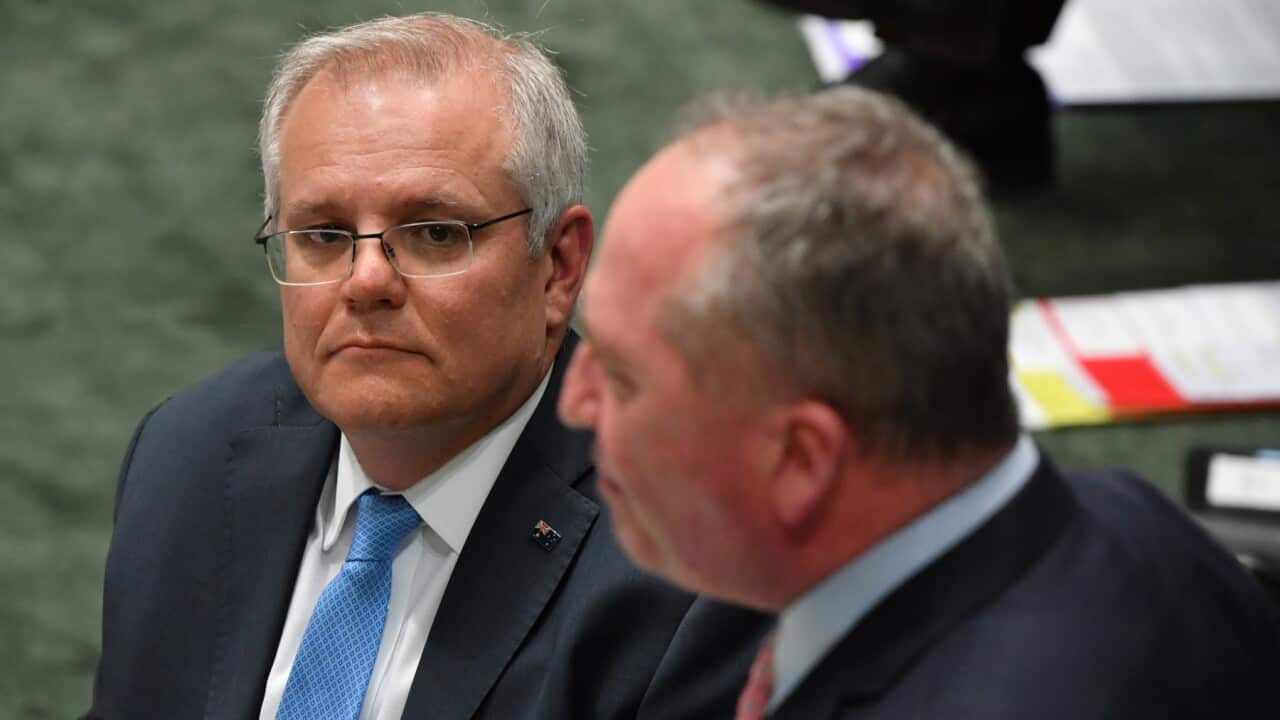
(388, 520)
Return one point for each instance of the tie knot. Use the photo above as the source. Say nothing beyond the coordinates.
(382, 522)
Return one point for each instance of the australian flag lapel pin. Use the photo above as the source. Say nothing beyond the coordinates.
(545, 535)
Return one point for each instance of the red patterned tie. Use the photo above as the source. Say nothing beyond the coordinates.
(755, 696)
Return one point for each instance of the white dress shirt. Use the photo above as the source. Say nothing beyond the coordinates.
(813, 623)
(448, 500)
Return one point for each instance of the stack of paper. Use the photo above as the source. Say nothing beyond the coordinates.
(1084, 360)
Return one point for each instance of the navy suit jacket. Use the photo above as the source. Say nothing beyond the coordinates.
(1084, 597)
(216, 498)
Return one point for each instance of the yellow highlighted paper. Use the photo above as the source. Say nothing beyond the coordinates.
(1061, 403)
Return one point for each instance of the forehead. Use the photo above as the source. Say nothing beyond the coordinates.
(661, 226)
(388, 130)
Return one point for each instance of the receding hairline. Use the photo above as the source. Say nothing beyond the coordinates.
(480, 56)
(463, 51)
(713, 150)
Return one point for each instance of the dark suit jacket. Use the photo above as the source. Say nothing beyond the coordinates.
(215, 501)
(1088, 597)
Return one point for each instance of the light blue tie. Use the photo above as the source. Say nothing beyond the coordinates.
(331, 671)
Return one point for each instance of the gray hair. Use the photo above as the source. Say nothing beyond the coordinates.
(859, 263)
(548, 156)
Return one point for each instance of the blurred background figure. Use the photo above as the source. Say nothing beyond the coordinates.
(962, 64)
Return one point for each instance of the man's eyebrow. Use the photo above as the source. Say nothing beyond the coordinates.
(315, 208)
(433, 203)
(309, 208)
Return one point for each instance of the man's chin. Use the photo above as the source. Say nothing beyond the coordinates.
(637, 546)
(649, 557)
(388, 410)
(640, 553)
(385, 421)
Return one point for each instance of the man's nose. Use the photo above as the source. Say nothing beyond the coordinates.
(373, 278)
(579, 401)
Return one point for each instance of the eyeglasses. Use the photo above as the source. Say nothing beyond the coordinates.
(321, 256)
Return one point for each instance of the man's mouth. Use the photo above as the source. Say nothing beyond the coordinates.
(367, 345)
(607, 483)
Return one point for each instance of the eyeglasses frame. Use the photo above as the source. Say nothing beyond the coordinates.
(260, 239)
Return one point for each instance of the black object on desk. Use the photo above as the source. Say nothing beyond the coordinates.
(1234, 493)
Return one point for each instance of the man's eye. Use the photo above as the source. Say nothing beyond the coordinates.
(320, 237)
(621, 384)
(436, 234)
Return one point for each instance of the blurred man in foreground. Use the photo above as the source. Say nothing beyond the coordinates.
(388, 520)
(795, 365)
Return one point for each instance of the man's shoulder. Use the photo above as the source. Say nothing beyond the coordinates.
(1145, 531)
(1132, 566)
(1112, 493)
(1129, 608)
(194, 426)
(1127, 595)
(255, 391)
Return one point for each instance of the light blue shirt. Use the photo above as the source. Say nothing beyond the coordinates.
(814, 622)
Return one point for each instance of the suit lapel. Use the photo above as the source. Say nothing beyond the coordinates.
(504, 578)
(868, 661)
(273, 483)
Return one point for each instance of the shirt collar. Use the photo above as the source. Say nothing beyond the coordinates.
(449, 499)
(813, 623)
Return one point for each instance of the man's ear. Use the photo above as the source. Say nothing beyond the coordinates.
(815, 448)
(569, 246)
